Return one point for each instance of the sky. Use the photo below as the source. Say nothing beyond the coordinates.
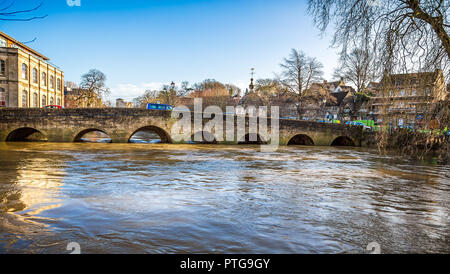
(142, 45)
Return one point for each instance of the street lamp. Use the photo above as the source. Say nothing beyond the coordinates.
(324, 105)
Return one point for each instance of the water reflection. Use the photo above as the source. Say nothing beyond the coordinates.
(93, 136)
(145, 137)
(138, 198)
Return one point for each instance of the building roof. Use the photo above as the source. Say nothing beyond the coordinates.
(23, 46)
(340, 96)
(407, 79)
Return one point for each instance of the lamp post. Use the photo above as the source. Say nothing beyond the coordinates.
(323, 107)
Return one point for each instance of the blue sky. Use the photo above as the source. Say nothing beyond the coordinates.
(144, 44)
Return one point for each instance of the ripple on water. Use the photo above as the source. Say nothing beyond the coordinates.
(141, 198)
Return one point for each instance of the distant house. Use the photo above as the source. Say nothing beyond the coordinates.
(121, 103)
(77, 98)
(329, 100)
(407, 99)
(215, 96)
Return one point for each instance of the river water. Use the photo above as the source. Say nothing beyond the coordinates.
(141, 198)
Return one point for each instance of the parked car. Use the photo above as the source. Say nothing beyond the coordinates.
(360, 124)
(159, 107)
(54, 107)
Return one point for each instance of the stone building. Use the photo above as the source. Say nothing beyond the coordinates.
(79, 98)
(406, 99)
(121, 103)
(328, 100)
(27, 79)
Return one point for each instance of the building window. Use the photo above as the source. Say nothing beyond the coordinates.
(44, 79)
(2, 67)
(52, 82)
(24, 71)
(44, 101)
(35, 76)
(2, 97)
(58, 84)
(51, 101)
(35, 100)
(24, 99)
(59, 102)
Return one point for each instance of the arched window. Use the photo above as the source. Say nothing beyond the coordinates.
(59, 102)
(51, 101)
(2, 97)
(44, 100)
(35, 76)
(58, 84)
(24, 71)
(35, 100)
(44, 79)
(52, 81)
(2, 67)
(24, 98)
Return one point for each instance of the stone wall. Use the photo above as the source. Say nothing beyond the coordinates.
(121, 123)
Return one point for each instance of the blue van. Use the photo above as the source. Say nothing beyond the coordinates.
(159, 107)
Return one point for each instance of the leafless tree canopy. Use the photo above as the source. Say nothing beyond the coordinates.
(358, 68)
(405, 34)
(167, 94)
(9, 13)
(93, 86)
(300, 71)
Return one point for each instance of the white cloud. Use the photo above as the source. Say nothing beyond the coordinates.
(130, 91)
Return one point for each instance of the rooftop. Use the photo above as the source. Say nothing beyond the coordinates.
(23, 46)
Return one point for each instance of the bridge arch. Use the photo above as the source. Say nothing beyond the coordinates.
(23, 134)
(249, 138)
(79, 137)
(301, 140)
(343, 141)
(206, 137)
(163, 135)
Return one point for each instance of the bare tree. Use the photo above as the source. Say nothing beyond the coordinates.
(168, 94)
(8, 14)
(208, 84)
(358, 68)
(299, 72)
(92, 87)
(233, 89)
(149, 96)
(405, 34)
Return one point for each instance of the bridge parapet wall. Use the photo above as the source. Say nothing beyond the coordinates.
(121, 123)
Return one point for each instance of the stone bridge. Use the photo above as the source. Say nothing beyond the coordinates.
(69, 125)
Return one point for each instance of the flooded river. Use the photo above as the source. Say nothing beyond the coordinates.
(141, 198)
